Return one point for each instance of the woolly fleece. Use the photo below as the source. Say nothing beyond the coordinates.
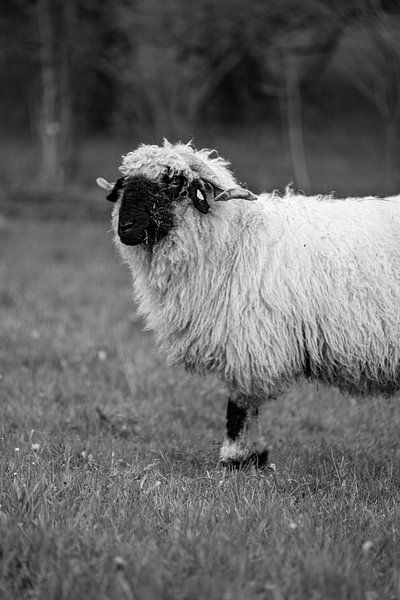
(261, 292)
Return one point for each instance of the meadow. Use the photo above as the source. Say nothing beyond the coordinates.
(110, 486)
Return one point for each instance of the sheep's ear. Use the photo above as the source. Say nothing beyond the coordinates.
(212, 190)
(237, 192)
(202, 192)
(104, 184)
(114, 194)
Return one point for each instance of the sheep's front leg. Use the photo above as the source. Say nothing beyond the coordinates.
(244, 443)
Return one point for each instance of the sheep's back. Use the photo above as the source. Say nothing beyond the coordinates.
(260, 292)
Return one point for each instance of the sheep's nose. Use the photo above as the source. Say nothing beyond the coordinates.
(131, 233)
(126, 227)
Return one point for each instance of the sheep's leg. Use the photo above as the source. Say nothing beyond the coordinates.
(244, 443)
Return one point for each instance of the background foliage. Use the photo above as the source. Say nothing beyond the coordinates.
(233, 74)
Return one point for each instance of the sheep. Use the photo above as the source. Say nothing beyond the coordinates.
(260, 290)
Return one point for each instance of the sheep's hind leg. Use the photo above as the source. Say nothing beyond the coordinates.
(244, 444)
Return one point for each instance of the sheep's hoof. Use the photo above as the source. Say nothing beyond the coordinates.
(256, 459)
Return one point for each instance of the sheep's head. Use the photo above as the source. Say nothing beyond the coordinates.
(146, 213)
(155, 180)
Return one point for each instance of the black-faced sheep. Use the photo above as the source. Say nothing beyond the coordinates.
(259, 292)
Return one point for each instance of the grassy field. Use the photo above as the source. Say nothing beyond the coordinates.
(110, 484)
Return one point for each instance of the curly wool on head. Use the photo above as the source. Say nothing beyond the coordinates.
(263, 292)
(153, 161)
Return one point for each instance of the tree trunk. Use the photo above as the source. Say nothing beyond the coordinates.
(48, 124)
(67, 145)
(392, 150)
(295, 123)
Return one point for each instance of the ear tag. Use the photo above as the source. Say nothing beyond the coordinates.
(198, 196)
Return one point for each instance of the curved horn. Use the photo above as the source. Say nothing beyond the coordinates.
(238, 192)
(205, 172)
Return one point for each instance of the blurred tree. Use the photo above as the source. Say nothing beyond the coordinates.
(369, 55)
(180, 55)
(61, 49)
(301, 39)
(75, 42)
(54, 114)
(161, 68)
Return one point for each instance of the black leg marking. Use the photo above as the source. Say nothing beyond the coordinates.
(235, 419)
(244, 445)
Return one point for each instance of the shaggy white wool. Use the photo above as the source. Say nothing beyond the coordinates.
(153, 161)
(258, 292)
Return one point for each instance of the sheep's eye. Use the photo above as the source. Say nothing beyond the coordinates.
(174, 181)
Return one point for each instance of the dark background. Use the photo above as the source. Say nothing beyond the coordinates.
(296, 91)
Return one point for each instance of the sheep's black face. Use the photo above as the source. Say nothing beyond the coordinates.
(146, 215)
(145, 212)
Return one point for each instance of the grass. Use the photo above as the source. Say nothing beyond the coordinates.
(110, 484)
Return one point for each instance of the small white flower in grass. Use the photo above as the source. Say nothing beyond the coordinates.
(35, 446)
(366, 547)
(87, 456)
(153, 487)
(120, 563)
(292, 525)
(102, 355)
(16, 449)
